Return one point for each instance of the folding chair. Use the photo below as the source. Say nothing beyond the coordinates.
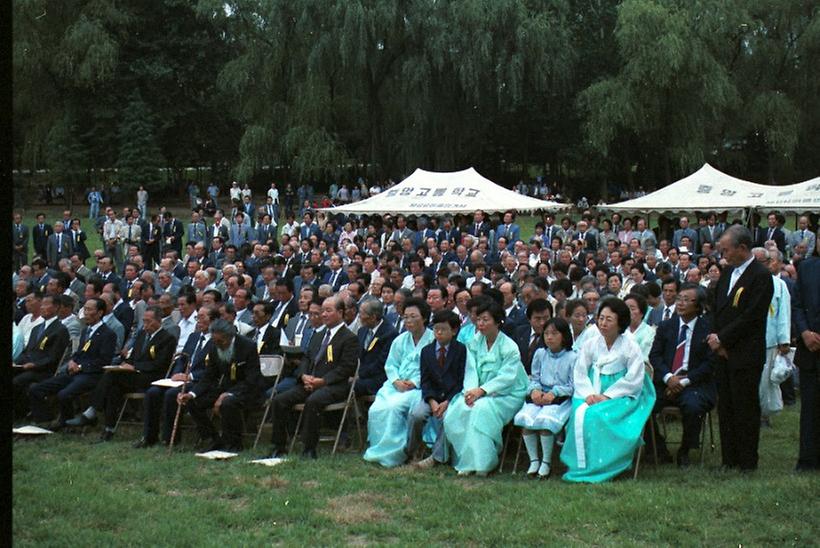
(343, 406)
(639, 453)
(674, 412)
(270, 366)
(366, 402)
(139, 396)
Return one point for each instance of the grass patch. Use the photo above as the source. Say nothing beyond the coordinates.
(68, 492)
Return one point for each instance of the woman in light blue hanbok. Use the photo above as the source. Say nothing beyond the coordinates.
(387, 419)
(468, 331)
(612, 401)
(576, 311)
(550, 392)
(495, 384)
(643, 333)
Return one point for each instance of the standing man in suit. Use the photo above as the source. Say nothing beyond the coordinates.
(711, 233)
(806, 315)
(78, 238)
(802, 236)
(42, 354)
(112, 234)
(58, 246)
(323, 379)
(375, 337)
(229, 386)
(196, 229)
(479, 226)
(772, 232)
(336, 277)
(130, 234)
(96, 348)
(509, 230)
(172, 233)
(738, 338)
(20, 242)
(685, 230)
(40, 233)
(151, 242)
(587, 236)
(149, 360)
(682, 361)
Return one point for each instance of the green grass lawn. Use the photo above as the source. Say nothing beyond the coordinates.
(68, 492)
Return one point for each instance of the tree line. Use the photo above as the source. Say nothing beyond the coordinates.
(595, 95)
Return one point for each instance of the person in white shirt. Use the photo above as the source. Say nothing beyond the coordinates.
(187, 325)
(33, 318)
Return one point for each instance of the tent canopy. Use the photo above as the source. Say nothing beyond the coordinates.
(799, 197)
(429, 192)
(704, 190)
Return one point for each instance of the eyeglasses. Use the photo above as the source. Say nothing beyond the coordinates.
(684, 300)
(411, 317)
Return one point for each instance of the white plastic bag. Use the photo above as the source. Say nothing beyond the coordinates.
(782, 369)
(771, 399)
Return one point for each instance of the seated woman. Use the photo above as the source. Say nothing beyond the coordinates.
(400, 394)
(549, 405)
(576, 312)
(495, 384)
(612, 401)
(642, 332)
(468, 330)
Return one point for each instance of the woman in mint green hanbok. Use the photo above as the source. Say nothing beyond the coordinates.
(643, 333)
(495, 384)
(387, 418)
(467, 331)
(612, 401)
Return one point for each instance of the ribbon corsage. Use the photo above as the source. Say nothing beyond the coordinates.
(152, 351)
(329, 354)
(372, 344)
(43, 343)
(86, 346)
(737, 296)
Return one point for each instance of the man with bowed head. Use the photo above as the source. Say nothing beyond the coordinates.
(741, 304)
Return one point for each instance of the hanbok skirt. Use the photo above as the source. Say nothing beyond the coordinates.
(543, 417)
(387, 425)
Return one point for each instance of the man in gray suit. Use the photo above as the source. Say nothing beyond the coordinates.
(58, 246)
(802, 235)
(711, 233)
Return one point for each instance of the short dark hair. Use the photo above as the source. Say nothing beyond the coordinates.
(700, 294)
(671, 280)
(421, 304)
(562, 326)
(449, 317)
(491, 306)
(639, 299)
(620, 309)
(539, 305)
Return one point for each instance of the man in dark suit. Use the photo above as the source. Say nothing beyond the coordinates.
(806, 320)
(148, 361)
(122, 311)
(286, 306)
(530, 336)
(308, 228)
(42, 355)
(587, 236)
(741, 303)
(151, 242)
(162, 402)
(229, 386)
(336, 277)
(39, 234)
(442, 377)
(19, 242)
(172, 233)
(683, 367)
(449, 233)
(323, 379)
(375, 337)
(772, 232)
(96, 349)
(479, 227)
(266, 336)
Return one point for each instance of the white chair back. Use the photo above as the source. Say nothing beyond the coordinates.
(271, 365)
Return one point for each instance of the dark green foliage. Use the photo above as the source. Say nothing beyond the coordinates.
(139, 159)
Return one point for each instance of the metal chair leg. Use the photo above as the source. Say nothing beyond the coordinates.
(261, 425)
(296, 432)
(122, 412)
(518, 453)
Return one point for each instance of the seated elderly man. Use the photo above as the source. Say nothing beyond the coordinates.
(683, 368)
(229, 385)
(375, 337)
(148, 361)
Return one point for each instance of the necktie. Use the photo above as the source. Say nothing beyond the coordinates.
(477, 227)
(677, 361)
(86, 335)
(667, 313)
(533, 345)
(333, 278)
(733, 279)
(59, 244)
(129, 233)
(442, 356)
(325, 344)
(198, 348)
(145, 342)
(37, 332)
(368, 338)
(771, 231)
(301, 325)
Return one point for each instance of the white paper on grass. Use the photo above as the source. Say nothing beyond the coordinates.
(31, 430)
(217, 455)
(268, 462)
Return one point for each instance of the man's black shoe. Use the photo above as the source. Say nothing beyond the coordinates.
(214, 445)
(142, 443)
(278, 454)
(683, 458)
(309, 454)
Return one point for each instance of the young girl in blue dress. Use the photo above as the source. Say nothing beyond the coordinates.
(550, 396)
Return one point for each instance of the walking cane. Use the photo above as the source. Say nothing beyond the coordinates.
(179, 406)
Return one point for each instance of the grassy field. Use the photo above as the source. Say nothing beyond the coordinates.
(68, 492)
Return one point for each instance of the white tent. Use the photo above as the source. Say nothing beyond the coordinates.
(429, 192)
(704, 190)
(799, 197)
